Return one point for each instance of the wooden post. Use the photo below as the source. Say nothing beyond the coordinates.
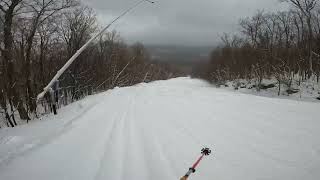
(53, 102)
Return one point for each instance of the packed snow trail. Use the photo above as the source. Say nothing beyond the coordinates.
(156, 131)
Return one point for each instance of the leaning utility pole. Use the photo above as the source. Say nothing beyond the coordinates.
(48, 88)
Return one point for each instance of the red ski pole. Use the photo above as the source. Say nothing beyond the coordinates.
(204, 152)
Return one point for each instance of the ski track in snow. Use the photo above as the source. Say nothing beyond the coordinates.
(155, 131)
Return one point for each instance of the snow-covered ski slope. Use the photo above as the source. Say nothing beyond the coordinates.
(156, 131)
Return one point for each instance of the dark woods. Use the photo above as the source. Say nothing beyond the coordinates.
(38, 36)
(284, 46)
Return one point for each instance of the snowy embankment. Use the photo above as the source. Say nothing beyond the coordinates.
(308, 90)
(155, 131)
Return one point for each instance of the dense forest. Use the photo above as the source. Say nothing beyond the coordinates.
(284, 46)
(38, 37)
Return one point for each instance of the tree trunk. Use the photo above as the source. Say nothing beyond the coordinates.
(8, 119)
(310, 39)
(41, 63)
(7, 56)
(30, 93)
(279, 90)
(12, 111)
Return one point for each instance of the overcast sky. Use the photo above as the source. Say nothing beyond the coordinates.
(179, 22)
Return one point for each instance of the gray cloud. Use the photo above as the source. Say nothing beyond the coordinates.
(179, 22)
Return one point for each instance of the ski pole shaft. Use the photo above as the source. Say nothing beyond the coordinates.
(192, 169)
(197, 163)
(204, 152)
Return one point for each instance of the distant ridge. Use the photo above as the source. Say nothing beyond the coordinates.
(183, 54)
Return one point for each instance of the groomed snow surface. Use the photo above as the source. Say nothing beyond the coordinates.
(156, 131)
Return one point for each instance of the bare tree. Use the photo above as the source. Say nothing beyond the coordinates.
(76, 27)
(8, 8)
(252, 27)
(40, 11)
(306, 8)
